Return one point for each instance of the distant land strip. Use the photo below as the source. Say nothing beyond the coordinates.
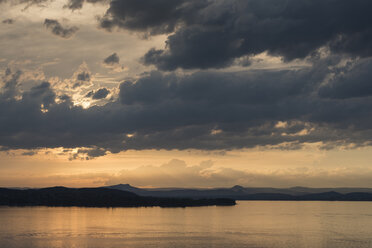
(250, 193)
(97, 197)
(125, 195)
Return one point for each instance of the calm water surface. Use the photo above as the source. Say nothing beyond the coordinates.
(249, 224)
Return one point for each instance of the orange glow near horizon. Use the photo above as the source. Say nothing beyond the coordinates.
(190, 168)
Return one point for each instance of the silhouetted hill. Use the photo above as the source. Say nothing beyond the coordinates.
(241, 193)
(129, 188)
(96, 197)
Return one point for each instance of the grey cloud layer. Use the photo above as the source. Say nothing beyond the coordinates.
(354, 82)
(83, 76)
(57, 29)
(214, 33)
(98, 94)
(154, 17)
(78, 4)
(328, 101)
(204, 110)
(112, 59)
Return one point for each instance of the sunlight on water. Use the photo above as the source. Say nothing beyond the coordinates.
(249, 224)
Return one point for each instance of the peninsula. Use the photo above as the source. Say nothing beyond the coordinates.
(98, 197)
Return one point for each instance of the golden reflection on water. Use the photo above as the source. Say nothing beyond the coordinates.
(249, 224)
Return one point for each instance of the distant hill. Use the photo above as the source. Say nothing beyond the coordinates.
(96, 197)
(125, 195)
(243, 193)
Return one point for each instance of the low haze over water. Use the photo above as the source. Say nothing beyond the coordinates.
(248, 224)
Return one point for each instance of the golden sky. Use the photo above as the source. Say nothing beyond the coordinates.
(150, 168)
(183, 94)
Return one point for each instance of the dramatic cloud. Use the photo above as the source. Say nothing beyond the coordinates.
(78, 4)
(98, 94)
(153, 17)
(275, 92)
(113, 59)
(86, 154)
(112, 62)
(42, 93)
(205, 34)
(325, 99)
(56, 28)
(282, 109)
(354, 81)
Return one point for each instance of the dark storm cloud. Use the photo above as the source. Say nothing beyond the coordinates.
(154, 17)
(43, 93)
(98, 94)
(214, 33)
(354, 81)
(112, 59)
(217, 88)
(10, 83)
(203, 110)
(56, 28)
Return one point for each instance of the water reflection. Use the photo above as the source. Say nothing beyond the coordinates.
(249, 224)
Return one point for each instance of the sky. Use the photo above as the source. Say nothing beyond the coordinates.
(186, 93)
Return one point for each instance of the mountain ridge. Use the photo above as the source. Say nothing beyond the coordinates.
(238, 192)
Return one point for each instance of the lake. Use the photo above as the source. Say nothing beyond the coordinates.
(253, 224)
